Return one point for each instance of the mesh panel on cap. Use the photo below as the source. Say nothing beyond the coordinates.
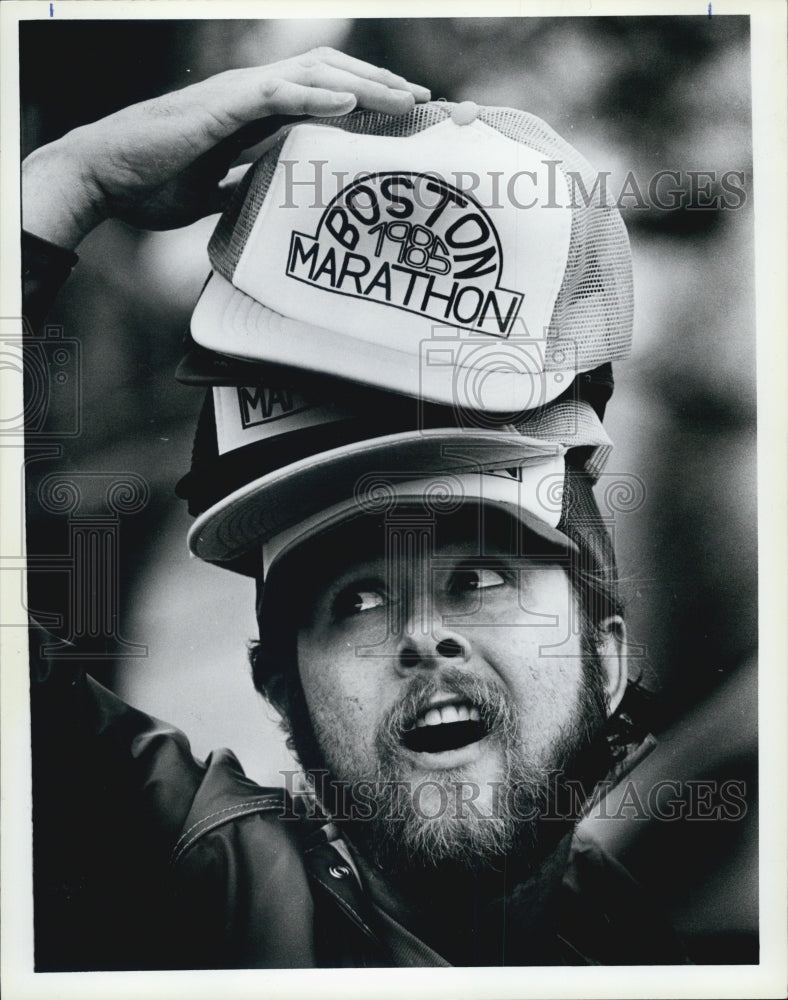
(568, 421)
(592, 317)
(232, 231)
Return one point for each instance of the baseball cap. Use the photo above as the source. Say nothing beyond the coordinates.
(452, 254)
(580, 542)
(272, 465)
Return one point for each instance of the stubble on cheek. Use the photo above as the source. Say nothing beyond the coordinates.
(341, 725)
(549, 710)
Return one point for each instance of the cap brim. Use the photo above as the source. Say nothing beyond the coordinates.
(275, 502)
(202, 367)
(230, 322)
(207, 369)
(554, 540)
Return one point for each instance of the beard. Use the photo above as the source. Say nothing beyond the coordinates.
(443, 820)
(437, 819)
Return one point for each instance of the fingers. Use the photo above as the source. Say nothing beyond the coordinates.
(365, 70)
(285, 97)
(320, 83)
(371, 94)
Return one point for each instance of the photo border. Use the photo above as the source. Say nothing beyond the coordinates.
(768, 51)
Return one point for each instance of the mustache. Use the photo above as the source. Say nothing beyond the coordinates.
(497, 715)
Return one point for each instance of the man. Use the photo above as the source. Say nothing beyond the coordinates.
(439, 618)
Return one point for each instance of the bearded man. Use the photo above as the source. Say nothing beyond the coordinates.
(440, 625)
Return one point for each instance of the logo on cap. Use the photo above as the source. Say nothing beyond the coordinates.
(414, 242)
(248, 414)
(259, 404)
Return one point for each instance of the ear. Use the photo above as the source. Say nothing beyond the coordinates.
(613, 657)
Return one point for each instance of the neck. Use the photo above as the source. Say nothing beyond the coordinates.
(483, 916)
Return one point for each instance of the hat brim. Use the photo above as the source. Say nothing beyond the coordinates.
(200, 367)
(553, 540)
(207, 369)
(273, 503)
(501, 378)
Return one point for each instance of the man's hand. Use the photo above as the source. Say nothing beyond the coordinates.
(161, 164)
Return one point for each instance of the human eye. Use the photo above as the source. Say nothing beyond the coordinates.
(472, 578)
(355, 599)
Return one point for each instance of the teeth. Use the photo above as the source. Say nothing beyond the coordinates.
(447, 714)
(433, 717)
(450, 714)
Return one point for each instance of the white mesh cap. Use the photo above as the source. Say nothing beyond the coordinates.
(456, 253)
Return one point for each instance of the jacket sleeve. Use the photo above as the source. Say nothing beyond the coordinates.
(101, 773)
(111, 790)
(112, 787)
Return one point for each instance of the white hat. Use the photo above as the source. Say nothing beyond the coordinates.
(457, 254)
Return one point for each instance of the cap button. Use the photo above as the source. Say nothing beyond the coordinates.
(465, 113)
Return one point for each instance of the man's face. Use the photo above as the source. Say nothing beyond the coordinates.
(452, 684)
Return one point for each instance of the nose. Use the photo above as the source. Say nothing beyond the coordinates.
(423, 641)
(430, 649)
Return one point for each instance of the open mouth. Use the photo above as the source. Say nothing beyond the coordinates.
(445, 727)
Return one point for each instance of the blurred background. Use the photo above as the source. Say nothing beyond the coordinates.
(634, 94)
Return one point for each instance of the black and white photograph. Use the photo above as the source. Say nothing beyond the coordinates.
(394, 519)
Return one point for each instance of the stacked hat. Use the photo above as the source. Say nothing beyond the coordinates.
(403, 304)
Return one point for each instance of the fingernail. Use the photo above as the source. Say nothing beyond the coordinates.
(423, 93)
(344, 97)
